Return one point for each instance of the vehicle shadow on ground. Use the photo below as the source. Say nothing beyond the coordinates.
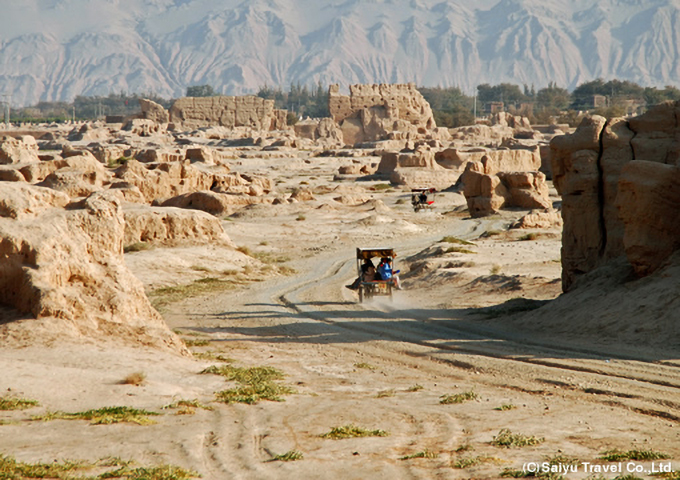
(464, 330)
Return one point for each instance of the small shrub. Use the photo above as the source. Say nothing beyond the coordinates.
(415, 388)
(386, 393)
(507, 439)
(187, 407)
(458, 250)
(459, 241)
(136, 379)
(506, 407)
(496, 270)
(104, 416)
(490, 233)
(381, 186)
(423, 454)
(136, 247)
(529, 236)
(363, 365)
(252, 394)
(458, 398)
(196, 343)
(301, 218)
(352, 431)
(290, 456)
(400, 201)
(639, 455)
(12, 403)
(244, 250)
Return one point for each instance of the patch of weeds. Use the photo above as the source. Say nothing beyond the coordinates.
(104, 416)
(467, 462)
(166, 295)
(530, 236)
(257, 383)
(213, 356)
(496, 270)
(381, 186)
(286, 270)
(301, 218)
(458, 398)
(246, 375)
(366, 366)
(507, 439)
(290, 456)
(13, 403)
(11, 469)
(458, 250)
(161, 472)
(196, 343)
(490, 233)
(415, 388)
(187, 407)
(562, 460)
(464, 448)
(668, 475)
(452, 239)
(244, 250)
(264, 243)
(505, 407)
(136, 379)
(639, 455)
(352, 431)
(252, 394)
(136, 247)
(386, 393)
(270, 258)
(423, 454)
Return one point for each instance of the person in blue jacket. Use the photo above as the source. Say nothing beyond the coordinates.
(386, 273)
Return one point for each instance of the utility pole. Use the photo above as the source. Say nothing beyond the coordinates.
(7, 100)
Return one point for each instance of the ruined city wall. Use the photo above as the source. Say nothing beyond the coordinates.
(244, 111)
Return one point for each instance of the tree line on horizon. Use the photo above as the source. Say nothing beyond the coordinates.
(451, 107)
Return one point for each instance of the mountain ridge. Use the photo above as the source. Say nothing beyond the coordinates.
(53, 50)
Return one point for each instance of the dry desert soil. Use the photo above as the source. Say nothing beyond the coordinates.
(439, 374)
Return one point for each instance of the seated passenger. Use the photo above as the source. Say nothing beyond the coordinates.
(386, 273)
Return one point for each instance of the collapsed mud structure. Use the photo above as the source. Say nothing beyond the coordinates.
(618, 180)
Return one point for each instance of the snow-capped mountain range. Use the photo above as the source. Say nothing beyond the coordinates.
(57, 49)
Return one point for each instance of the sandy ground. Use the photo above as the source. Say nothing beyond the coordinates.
(382, 364)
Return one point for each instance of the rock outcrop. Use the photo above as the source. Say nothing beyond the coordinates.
(488, 188)
(612, 176)
(65, 268)
(18, 150)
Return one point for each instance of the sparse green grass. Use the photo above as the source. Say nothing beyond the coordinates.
(257, 383)
(467, 462)
(668, 475)
(530, 236)
(104, 416)
(458, 250)
(136, 378)
(458, 398)
(560, 459)
(385, 393)
(366, 366)
(452, 239)
(507, 439)
(466, 447)
(290, 456)
(270, 258)
(505, 407)
(213, 356)
(423, 454)
(490, 233)
(136, 247)
(162, 472)
(13, 403)
(301, 218)
(639, 455)
(246, 375)
(381, 186)
(196, 343)
(352, 431)
(187, 407)
(252, 394)
(415, 388)
(166, 295)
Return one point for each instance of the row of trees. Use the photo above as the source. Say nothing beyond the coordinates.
(451, 107)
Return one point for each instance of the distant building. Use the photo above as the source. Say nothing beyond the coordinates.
(494, 107)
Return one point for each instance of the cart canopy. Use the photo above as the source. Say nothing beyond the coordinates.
(368, 253)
